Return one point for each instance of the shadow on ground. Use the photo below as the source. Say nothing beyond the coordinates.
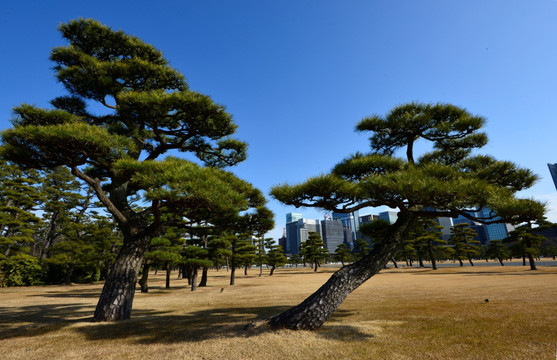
(154, 326)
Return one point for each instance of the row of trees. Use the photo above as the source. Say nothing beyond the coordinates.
(425, 243)
(51, 232)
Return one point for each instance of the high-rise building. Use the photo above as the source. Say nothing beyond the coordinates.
(553, 172)
(350, 222)
(389, 216)
(333, 234)
(293, 217)
(497, 231)
(298, 232)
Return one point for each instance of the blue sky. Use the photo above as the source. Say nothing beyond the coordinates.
(298, 75)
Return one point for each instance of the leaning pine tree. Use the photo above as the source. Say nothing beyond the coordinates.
(147, 111)
(447, 181)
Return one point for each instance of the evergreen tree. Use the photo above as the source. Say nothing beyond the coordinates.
(343, 254)
(19, 199)
(463, 243)
(525, 243)
(497, 250)
(449, 178)
(148, 110)
(428, 239)
(313, 250)
(361, 249)
(275, 255)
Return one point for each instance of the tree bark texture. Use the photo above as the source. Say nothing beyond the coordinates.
(312, 313)
(116, 299)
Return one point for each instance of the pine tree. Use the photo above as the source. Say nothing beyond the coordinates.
(463, 243)
(343, 254)
(449, 178)
(497, 250)
(275, 255)
(148, 110)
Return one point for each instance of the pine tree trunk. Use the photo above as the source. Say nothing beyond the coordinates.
(470, 261)
(194, 279)
(143, 282)
(432, 257)
(115, 302)
(315, 310)
(232, 275)
(168, 271)
(272, 270)
(532, 262)
(501, 262)
(204, 275)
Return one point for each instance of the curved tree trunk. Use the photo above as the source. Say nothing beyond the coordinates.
(501, 261)
(470, 261)
(117, 295)
(316, 309)
(272, 270)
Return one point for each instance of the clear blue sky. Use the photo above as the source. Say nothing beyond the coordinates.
(298, 75)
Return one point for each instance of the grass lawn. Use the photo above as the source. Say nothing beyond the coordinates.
(398, 314)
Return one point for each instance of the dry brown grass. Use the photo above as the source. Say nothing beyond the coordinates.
(398, 314)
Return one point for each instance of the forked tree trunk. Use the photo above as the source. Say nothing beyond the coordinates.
(316, 309)
(117, 295)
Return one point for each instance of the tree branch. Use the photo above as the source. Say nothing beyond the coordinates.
(96, 185)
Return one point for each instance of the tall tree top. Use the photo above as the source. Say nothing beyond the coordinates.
(149, 109)
(448, 180)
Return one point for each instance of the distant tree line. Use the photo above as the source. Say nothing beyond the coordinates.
(425, 243)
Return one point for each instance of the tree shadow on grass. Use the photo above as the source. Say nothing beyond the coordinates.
(37, 320)
(152, 326)
(149, 327)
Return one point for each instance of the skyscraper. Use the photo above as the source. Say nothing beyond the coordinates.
(298, 232)
(389, 216)
(333, 234)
